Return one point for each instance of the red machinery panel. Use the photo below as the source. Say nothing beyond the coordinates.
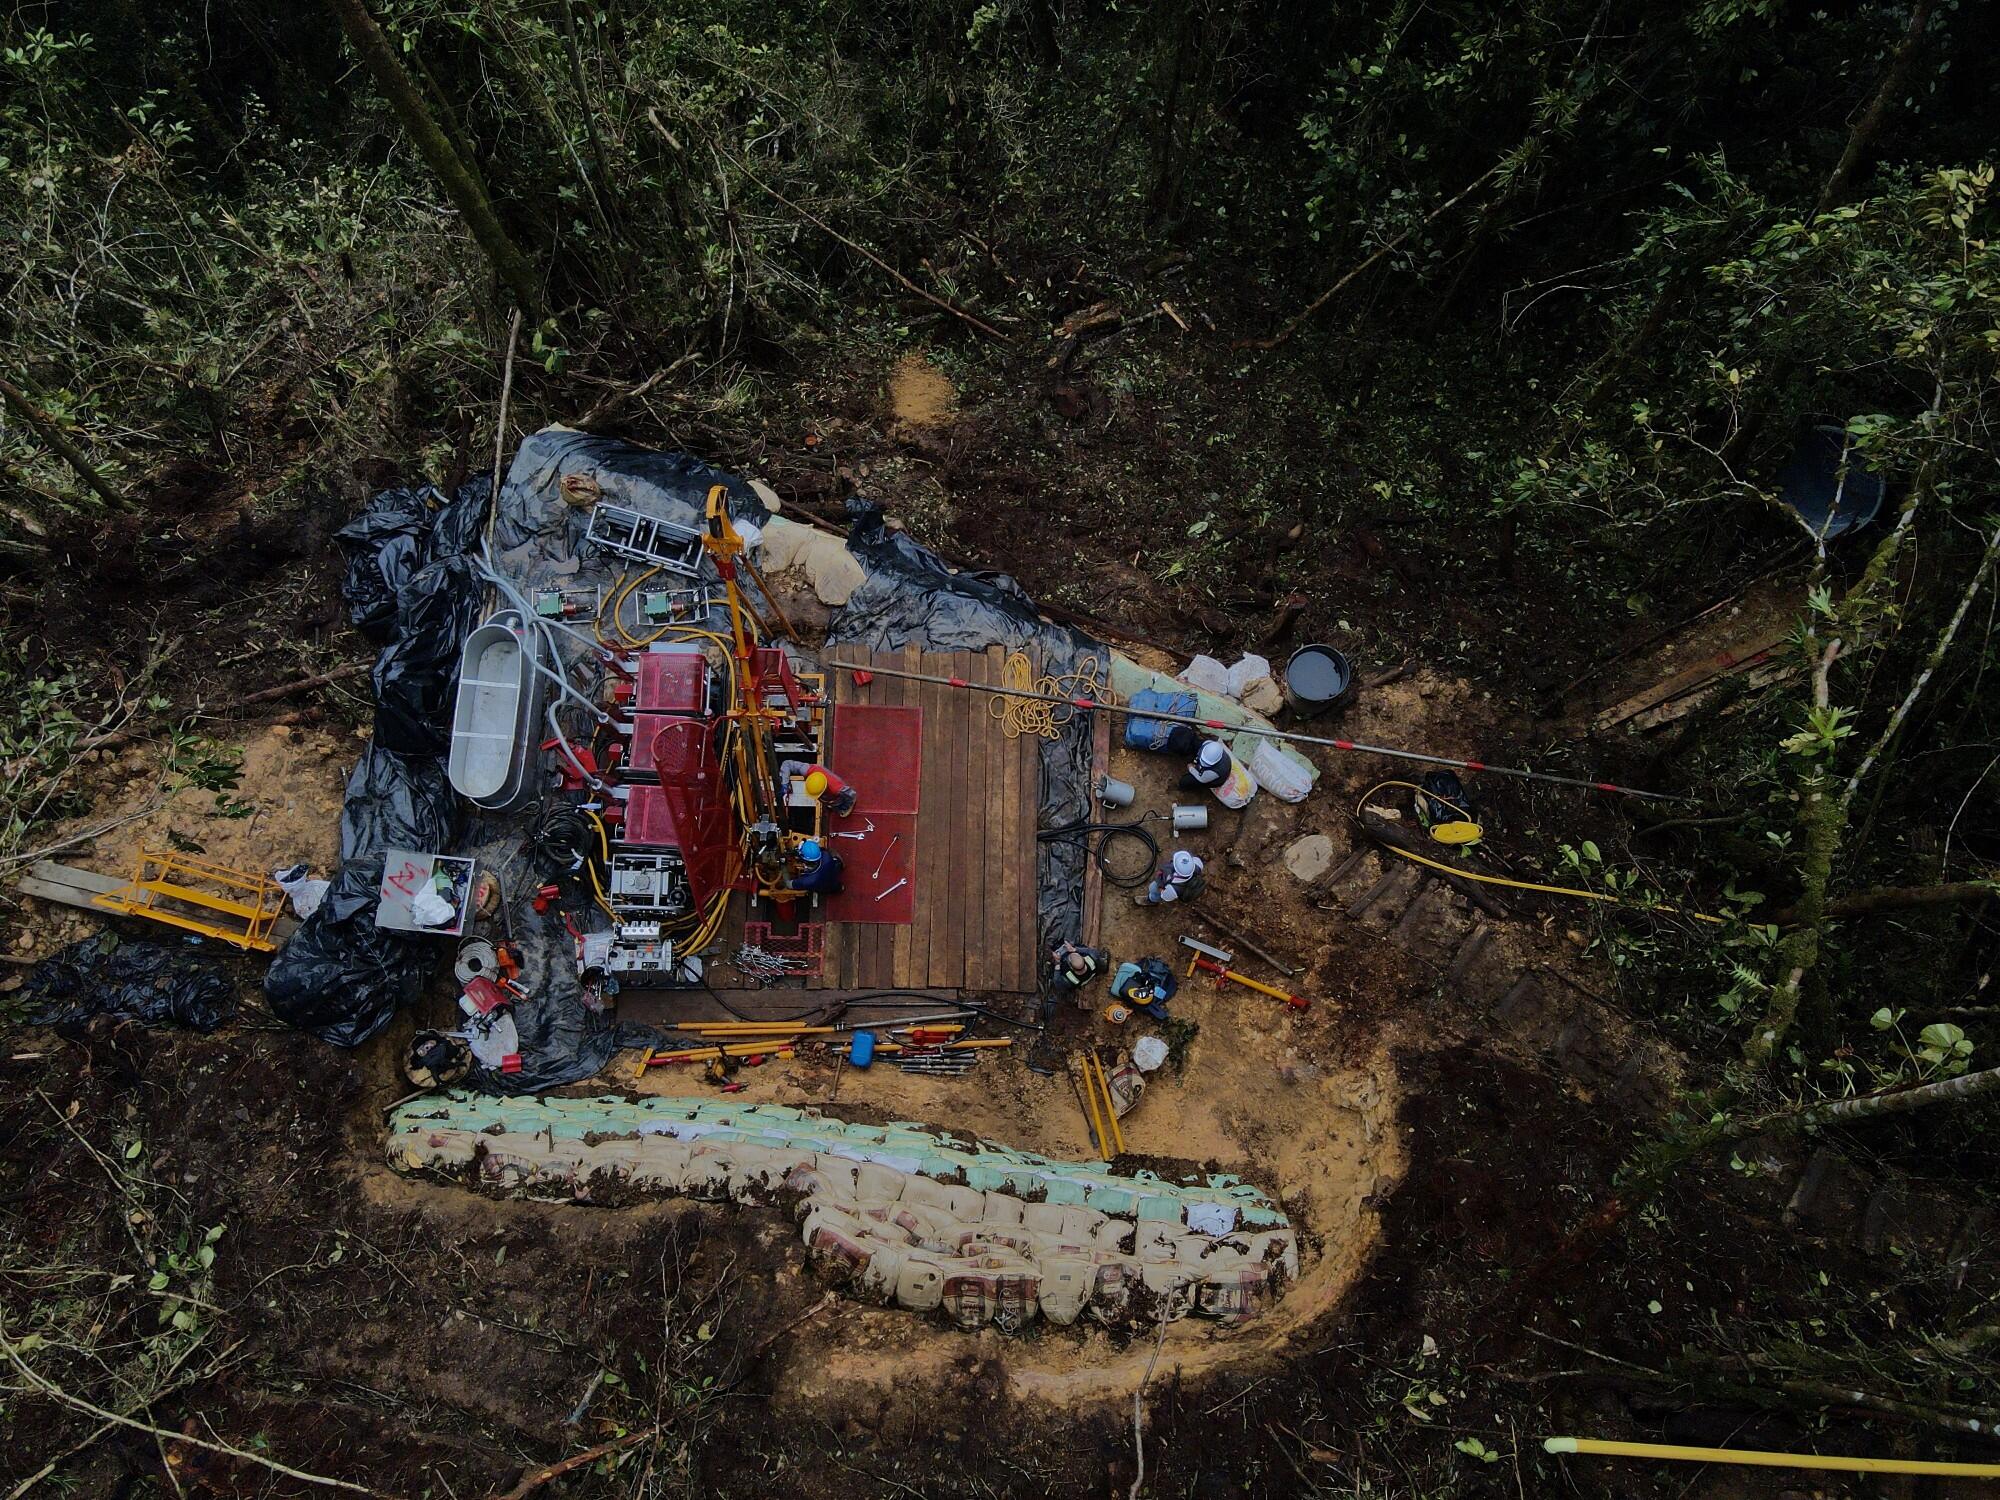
(649, 820)
(645, 731)
(773, 669)
(674, 682)
(689, 810)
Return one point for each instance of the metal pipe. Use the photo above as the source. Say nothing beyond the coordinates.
(1223, 726)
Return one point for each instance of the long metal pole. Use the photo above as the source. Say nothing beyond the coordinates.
(1223, 726)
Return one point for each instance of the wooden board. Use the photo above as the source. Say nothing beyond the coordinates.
(974, 926)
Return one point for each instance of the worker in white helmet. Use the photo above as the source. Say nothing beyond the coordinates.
(1222, 773)
(1179, 879)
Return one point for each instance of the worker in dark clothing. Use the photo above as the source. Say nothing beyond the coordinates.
(818, 869)
(1076, 965)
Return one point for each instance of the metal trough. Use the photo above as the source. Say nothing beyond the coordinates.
(494, 729)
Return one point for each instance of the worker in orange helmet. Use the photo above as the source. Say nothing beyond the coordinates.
(825, 788)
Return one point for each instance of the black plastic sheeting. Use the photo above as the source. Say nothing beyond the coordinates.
(408, 581)
(912, 598)
(144, 982)
(410, 584)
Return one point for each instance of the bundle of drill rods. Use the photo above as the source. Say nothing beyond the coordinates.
(765, 966)
(939, 1063)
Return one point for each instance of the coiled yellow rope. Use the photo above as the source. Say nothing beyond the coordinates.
(1019, 716)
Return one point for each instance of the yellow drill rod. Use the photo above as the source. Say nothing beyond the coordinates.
(1110, 1111)
(1763, 1458)
(1099, 1137)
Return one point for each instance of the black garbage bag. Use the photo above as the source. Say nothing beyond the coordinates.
(398, 802)
(144, 982)
(386, 545)
(416, 676)
(340, 976)
(461, 524)
(400, 533)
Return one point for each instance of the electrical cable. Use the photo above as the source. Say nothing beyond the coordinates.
(1130, 880)
(1520, 885)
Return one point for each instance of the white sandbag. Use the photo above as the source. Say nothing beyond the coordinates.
(1208, 674)
(1278, 773)
(1251, 684)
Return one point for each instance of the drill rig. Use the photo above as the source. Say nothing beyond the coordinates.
(698, 808)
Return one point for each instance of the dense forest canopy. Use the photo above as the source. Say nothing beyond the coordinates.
(1539, 297)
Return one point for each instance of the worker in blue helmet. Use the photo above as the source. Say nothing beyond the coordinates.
(817, 869)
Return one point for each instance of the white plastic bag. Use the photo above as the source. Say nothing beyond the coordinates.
(429, 909)
(305, 894)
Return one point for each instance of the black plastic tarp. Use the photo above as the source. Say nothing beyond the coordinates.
(144, 982)
(408, 581)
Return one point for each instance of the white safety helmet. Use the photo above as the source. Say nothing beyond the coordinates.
(1185, 865)
(1213, 753)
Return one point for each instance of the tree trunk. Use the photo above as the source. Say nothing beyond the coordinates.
(50, 432)
(1862, 136)
(1898, 898)
(461, 180)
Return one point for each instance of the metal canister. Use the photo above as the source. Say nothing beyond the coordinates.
(1189, 817)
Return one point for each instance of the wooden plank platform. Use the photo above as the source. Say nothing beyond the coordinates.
(974, 927)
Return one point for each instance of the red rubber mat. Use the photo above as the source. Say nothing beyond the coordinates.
(878, 750)
(859, 859)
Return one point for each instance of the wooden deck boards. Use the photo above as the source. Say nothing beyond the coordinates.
(974, 871)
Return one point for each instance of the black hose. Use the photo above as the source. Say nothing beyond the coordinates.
(1130, 880)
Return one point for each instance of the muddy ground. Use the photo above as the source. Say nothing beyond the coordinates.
(423, 1339)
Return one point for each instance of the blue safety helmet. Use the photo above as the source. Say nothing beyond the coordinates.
(809, 851)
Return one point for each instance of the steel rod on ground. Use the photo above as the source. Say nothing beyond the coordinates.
(1223, 726)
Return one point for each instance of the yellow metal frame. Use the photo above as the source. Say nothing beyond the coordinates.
(251, 902)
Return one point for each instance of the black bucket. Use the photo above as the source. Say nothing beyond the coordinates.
(1318, 679)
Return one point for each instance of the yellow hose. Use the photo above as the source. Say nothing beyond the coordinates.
(1761, 1458)
(1022, 715)
(1519, 885)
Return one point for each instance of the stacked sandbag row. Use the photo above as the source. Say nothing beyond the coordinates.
(888, 1212)
(992, 1257)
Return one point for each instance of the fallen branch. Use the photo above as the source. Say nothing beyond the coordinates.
(1583, 1242)
(1266, 345)
(1931, 664)
(50, 432)
(1139, 1416)
(249, 700)
(1899, 898)
(172, 1387)
(506, 391)
(970, 319)
(76, 1403)
(534, 1479)
(616, 399)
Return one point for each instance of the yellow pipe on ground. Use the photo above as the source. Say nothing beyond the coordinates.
(1761, 1458)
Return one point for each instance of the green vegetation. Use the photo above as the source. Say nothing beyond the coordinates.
(1514, 312)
